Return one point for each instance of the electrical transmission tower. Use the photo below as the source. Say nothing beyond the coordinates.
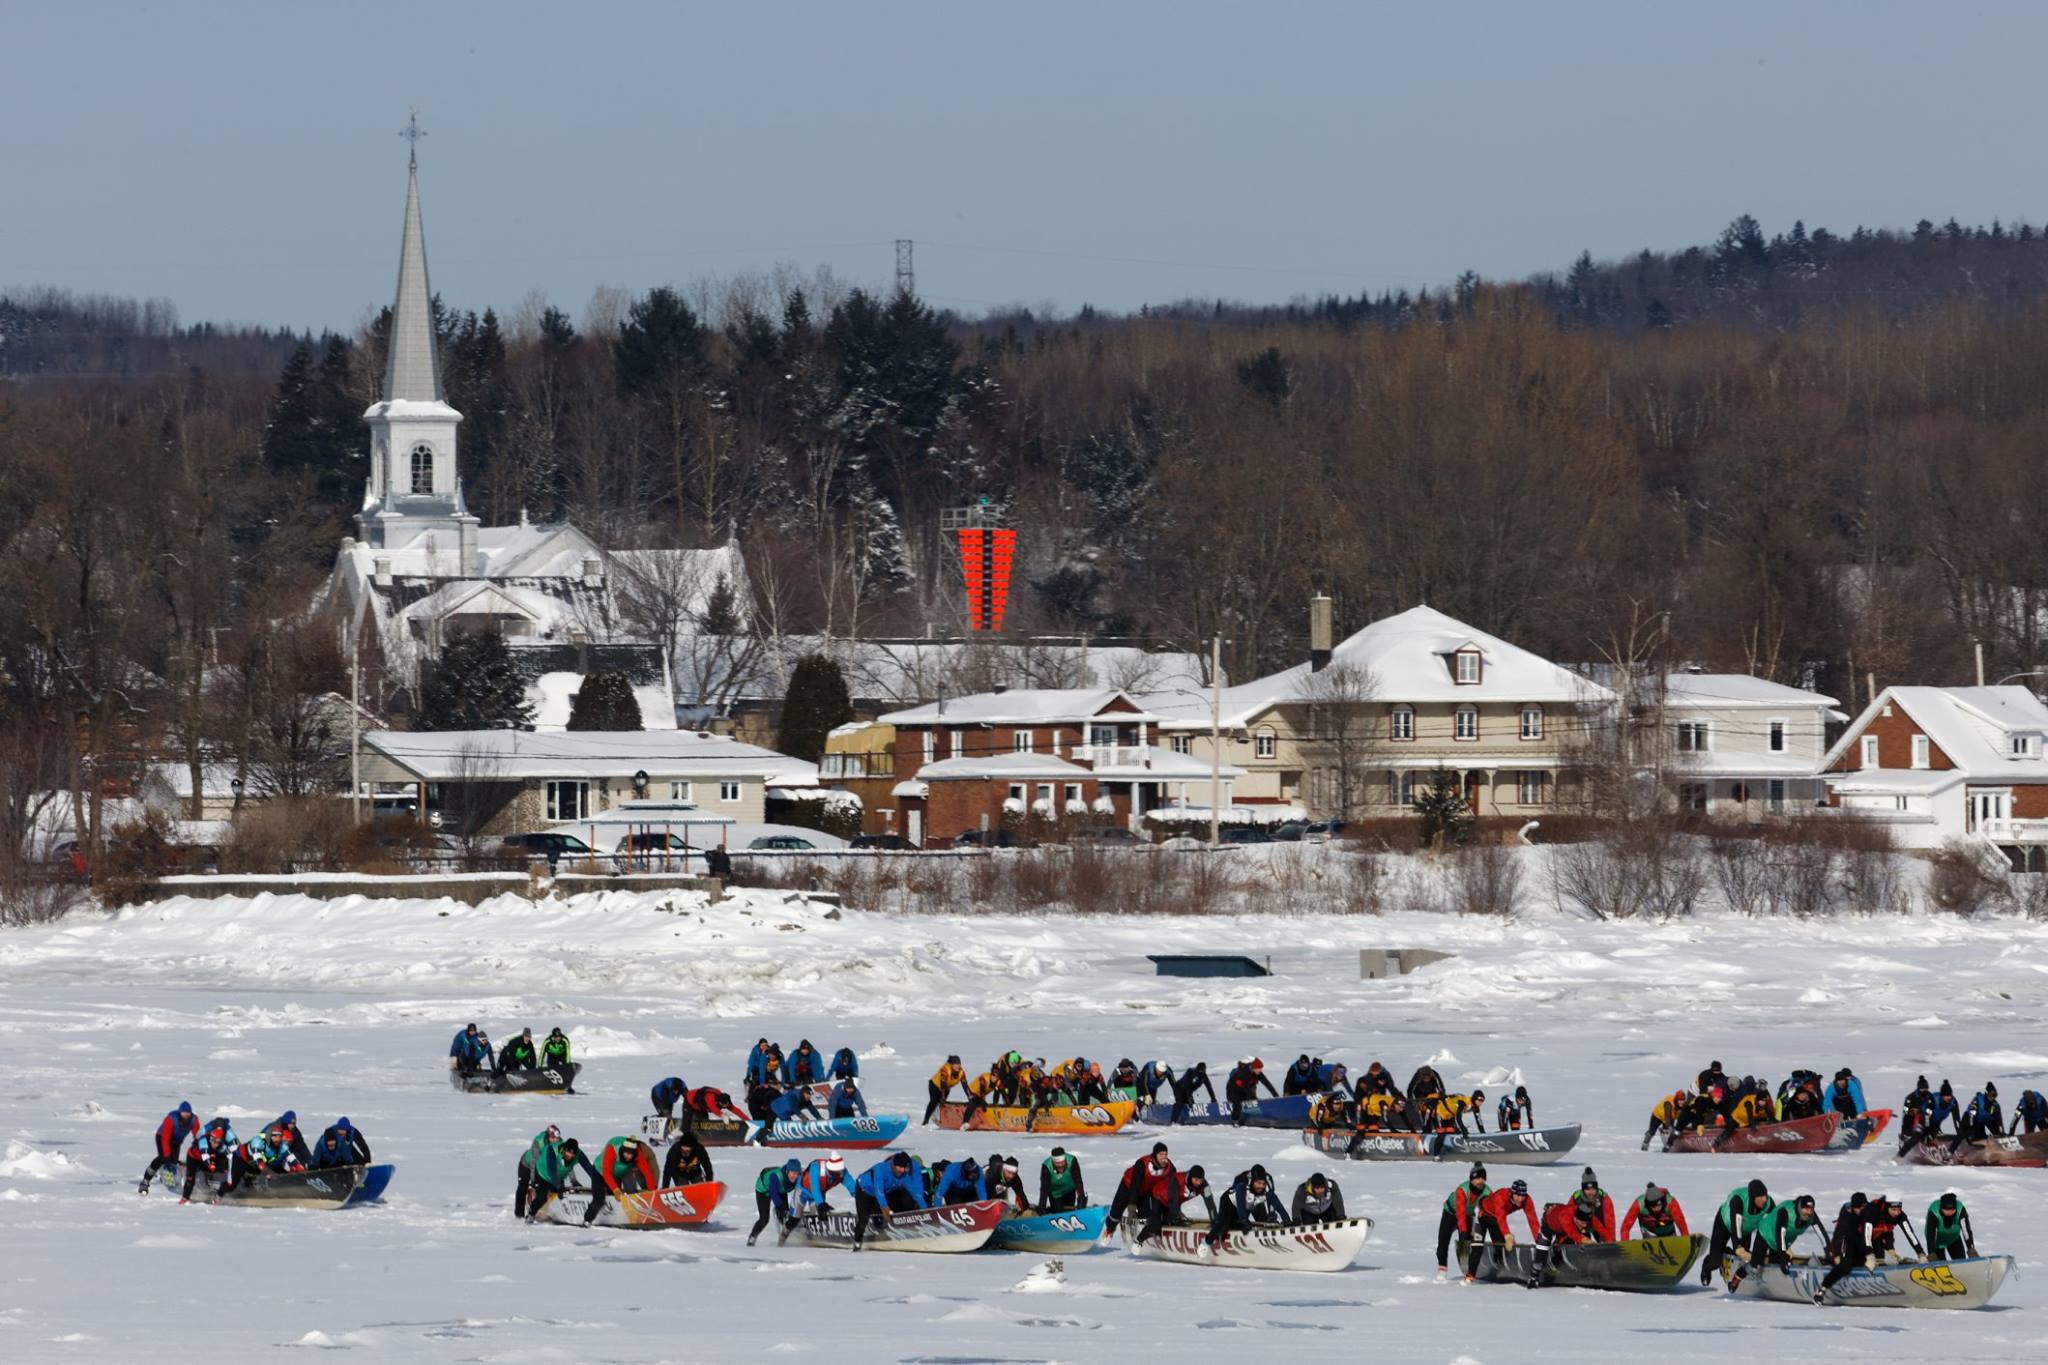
(906, 278)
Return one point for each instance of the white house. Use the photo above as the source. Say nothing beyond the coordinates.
(1942, 763)
(1739, 746)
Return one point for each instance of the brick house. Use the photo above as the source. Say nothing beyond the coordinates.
(1942, 763)
(1046, 758)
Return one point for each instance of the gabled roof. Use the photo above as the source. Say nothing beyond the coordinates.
(1026, 706)
(1409, 659)
(1973, 726)
(1735, 690)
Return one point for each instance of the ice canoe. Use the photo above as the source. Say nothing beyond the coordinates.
(1908, 1284)
(678, 1206)
(854, 1134)
(1799, 1135)
(1323, 1246)
(1064, 1120)
(524, 1080)
(1649, 1266)
(2030, 1150)
(948, 1228)
(1529, 1147)
(1289, 1111)
(330, 1187)
(1051, 1234)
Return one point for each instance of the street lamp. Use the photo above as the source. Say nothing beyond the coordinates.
(235, 786)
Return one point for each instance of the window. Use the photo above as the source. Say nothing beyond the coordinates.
(1466, 665)
(1017, 792)
(1073, 792)
(2022, 746)
(1102, 736)
(1774, 793)
(1402, 789)
(1045, 792)
(1533, 788)
(568, 800)
(1181, 744)
(1987, 805)
(680, 791)
(1266, 745)
(423, 468)
(1869, 747)
(1694, 737)
(1401, 723)
(1465, 724)
(1021, 741)
(1777, 736)
(956, 743)
(1692, 796)
(931, 744)
(728, 791)
(1532, 722)
(1920, 751)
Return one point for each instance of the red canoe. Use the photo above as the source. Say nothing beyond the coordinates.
(1800, 1135)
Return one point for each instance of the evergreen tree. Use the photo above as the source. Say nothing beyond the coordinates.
(721, 614)
(1441, 809)
(1265, 375)
(604, 702)
(474, 685)
(816, 702)
(661, 341)
(557, 333)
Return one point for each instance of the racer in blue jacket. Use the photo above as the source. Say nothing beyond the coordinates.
(806, 1066)
(794, 1102)
(845, 1066)
(774, 1190)
(847, 1102)
(342, 1144)
(959, 1182)
(885, 1189)
(1151, 1077)
(471, 1049)
(2030, 1114)
(759, 1070)
(213, 1151)
(1984, 1118)
(1844, 1094)
(666, 1092)
(1334, 1078)
(170, 1140)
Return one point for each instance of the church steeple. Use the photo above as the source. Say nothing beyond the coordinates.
(412, 372)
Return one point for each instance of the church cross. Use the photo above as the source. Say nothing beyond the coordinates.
(412, 133)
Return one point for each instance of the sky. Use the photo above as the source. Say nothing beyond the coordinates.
(242, 160)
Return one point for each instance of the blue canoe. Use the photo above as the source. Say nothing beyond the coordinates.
(877, 1131)
(1053, 1234)
(1288, 1111)
(375, 1178)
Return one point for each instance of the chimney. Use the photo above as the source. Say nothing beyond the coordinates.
(1318, 633)
(593, 571)
(381, 564)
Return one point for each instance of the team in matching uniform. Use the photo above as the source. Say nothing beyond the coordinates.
(214, 1151)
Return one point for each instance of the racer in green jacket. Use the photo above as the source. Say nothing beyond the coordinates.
(1949, 1234)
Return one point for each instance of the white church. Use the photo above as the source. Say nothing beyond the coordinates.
(421, 568)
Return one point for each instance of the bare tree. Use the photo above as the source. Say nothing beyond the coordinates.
(1341, 734)
(474, 795)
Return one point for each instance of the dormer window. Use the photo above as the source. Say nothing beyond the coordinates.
(2022, 746)
(1465, 667)
(423, 468)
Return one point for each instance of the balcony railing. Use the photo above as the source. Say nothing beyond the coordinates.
(2010, 831)
(1115, 755)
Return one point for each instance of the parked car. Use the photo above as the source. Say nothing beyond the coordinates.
(892, 842)
(991, 838)
(1105, 835)
(1243, 834)
(553, 847)
(1290, 832)
(652, 850)
(785, 842)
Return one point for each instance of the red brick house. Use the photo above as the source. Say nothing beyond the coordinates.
(1042, 760)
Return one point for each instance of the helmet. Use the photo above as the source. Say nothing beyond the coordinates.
(835, 1162)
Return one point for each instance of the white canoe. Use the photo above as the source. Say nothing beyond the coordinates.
(1907, 1284)
(1320, 1246)
(950, 1227)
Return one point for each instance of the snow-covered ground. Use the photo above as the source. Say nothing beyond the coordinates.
(250, 1007)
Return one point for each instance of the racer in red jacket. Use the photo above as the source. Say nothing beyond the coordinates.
(1154, 1190)
(1657, 1212)
(1496, 1210)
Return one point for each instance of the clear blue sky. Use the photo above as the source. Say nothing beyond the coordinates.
(241, 159)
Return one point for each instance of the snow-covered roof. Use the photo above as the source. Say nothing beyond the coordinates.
(1026, 706)
(554, 694)
(1159, 764)
(1973, 726)
(1896, 781)
(1731, 764)
(515, 755)
(1409, 657)
(1727, 690)
(1004, 767)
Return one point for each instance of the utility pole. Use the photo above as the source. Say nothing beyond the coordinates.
(1215, 740)
(906, 277)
